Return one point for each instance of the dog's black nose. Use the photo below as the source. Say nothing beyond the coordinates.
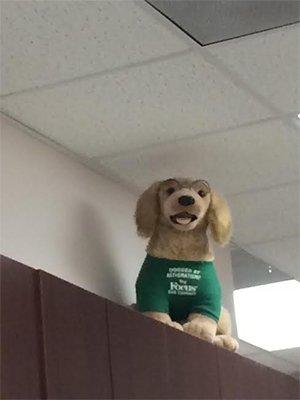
(186, 200)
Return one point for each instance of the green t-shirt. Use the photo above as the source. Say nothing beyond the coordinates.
(178, 288)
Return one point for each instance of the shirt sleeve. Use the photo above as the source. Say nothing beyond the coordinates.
(208, 301)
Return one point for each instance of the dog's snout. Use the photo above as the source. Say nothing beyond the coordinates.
(186, 200)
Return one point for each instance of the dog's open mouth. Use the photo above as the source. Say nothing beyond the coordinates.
(183, 218)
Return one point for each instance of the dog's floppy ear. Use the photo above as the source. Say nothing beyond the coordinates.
(219, 219)
(147, 210)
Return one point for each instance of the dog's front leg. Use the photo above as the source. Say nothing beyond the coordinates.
(201, 326)
(227, 342)
(164, 318)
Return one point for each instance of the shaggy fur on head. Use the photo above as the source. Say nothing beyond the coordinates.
(177, 214)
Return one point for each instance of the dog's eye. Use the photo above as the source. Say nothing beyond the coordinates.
(170, 190)
(202, 193)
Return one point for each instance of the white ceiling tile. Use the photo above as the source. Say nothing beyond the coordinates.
(250, 157)
(284, 253)
(264, 215)
(268, 62)
(268, 359)
(49, 41)
(137, 107)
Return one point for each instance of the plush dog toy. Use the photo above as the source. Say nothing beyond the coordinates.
(177, 283)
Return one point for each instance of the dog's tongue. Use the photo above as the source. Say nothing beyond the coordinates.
(183, 215)
(183, 218)
(183, 221)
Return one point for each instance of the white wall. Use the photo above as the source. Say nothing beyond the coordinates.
(60, 216)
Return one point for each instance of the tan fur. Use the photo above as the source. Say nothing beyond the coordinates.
(166, 241)
(154, 215)
(219, 219)
(193, 245)
(164, 318)
(147, 211)
(201, 326)
(224, 323)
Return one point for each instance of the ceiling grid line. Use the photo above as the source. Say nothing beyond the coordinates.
(241, 244)
(279, 117)
(238, 81)
(107, 72)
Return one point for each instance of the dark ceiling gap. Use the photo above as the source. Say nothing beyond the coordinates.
(174, 23)
(216, 41)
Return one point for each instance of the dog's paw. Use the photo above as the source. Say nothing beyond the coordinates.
(227, 342)
(198, 329)
(175, 325)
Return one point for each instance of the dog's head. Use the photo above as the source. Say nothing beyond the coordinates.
(183, 204)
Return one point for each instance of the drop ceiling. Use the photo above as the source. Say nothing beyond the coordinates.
(136, 99)
(249, 271)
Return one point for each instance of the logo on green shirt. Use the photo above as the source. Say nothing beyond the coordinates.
(183, 285)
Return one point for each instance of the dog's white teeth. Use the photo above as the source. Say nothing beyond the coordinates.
(183, 221)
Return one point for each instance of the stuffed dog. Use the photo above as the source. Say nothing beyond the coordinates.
(177, 283)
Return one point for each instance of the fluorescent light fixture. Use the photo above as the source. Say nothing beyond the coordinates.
(268, 316)
(298, 115)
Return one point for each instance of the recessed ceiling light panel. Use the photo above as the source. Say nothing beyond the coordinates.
(268, 316)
